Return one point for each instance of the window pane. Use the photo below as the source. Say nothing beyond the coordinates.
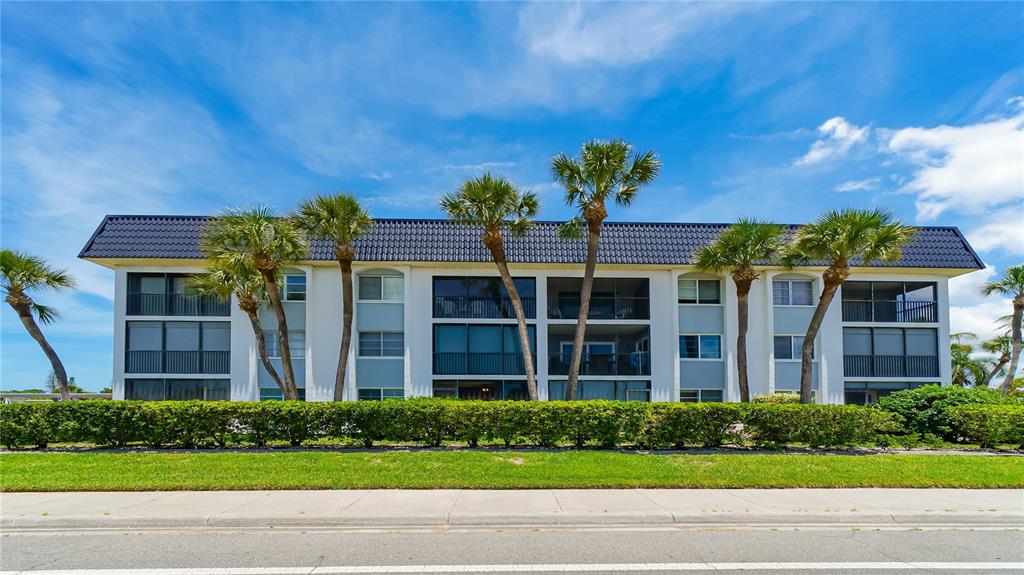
(780, 292)
(369, 344)
(888, 341)
(182, 336)
(485, 339)
(527, 287)
(152, 284)
(392, 344)
(709, 291)
(689, 347)
(689, 395)
(369, 287)
(218, 390)
(184, 389)
(920, 291)
(216, 336)
(369, 395)
(711, 395)
(445, 389)
(687, 291)
(921, 342)
(783, 347)
(270, 340)
(297, 344)
(710, 347)
(450, 338)
(145, 336)
(856, 341)
(144, 389)
(857, 291)
(394, 288)
(798, 347)
(181, 284)
(392, 393)
(801, 293)
(295, 288)
(888, 291)
(449, 287)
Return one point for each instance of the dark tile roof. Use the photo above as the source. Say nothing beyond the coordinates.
(177, 237)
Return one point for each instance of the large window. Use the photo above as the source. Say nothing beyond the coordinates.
(700, 346)
(381, 288)
(700, 395)
(898, 302)
(790, 347)
(792, 292)
(600, 389)
(178, 347)
(481, 389)
(481, 297)
(479, 349)
(378, 394)
(890, 352)
(177, 389)
(381, 344)
(158, 294)
(296, 344)
(700, 291)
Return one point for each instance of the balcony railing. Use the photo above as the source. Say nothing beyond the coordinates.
(890, 311)
(447, 363)
(638, 363)
(604, 307)
(481, 307)
(177, 304)
(891, 366)
(218, 362)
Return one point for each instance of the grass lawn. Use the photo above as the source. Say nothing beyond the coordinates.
(493, 470)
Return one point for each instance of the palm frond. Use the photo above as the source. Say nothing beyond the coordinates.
(46, 314)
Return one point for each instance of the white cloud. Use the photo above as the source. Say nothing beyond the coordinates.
(970, 310)
(1002, 230)
(481, 167)
(379, 176)
(859, 185)
(836, 137)
(971, 168)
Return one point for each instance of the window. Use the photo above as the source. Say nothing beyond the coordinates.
(790, 347)
(792, 292)
(378, 394)
(700, 347)
(610, 390)
(296, 344)
(481, 297)
(381, 288)
(700, 291)
(295, 288)
(178, 347)
(274, 394)
(381, 344)
(700, 395)
(177, 389)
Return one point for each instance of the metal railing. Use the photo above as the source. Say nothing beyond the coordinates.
(213, 362)
(637, 363)
(891, 366)
(604, 307)
(459, 363)
(446, 307)
(177, 304)
(890, 311)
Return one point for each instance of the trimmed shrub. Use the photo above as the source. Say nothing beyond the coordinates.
(679, 425)
(989, 425)
(775, 426)
(777, 397)
(924, 409)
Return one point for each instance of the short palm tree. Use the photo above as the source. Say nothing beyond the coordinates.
(495, 204)
(736, 251)
(837, 238)
(1010, 285)
(21, 273)
(223, 280)
(259, 239)
(603, 171)
(1001, 347)
(966, 369)
(339, 218)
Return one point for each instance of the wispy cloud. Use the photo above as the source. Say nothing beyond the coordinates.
(859, 185)
(836, 137)
(481, 167)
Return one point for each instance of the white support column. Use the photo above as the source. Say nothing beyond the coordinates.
(542, 335)
(407, 323)
(830, 350)
(768, 340)
(245, 363)
(664, 337)
(730, 324)
(120, 331)
(677, 377)
(942, 305)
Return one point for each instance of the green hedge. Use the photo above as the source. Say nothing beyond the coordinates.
(433, 422)
(924, 410)
(989, 425)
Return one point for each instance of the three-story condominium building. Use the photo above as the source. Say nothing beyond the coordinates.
(432, 318)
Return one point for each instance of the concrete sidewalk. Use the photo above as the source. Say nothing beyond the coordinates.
(542, 507)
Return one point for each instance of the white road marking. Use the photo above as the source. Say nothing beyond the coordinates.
(545, 568)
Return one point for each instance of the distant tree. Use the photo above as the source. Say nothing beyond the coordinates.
(21, 273)
(1001, 347)
(53, 385)
(967, 370)
(1010, 285)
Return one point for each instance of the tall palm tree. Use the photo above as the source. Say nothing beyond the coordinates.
(258, 238)
(966, 369)
(838, 237)
(223, 280)
(736, 251)
(1000, 346)
(494, 204)
(603, 170)
(21, 273)
(1010, 285)
(342, 219)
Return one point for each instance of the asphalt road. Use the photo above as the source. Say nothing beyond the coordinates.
(619, 550)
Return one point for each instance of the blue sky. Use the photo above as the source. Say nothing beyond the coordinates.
(770, 110)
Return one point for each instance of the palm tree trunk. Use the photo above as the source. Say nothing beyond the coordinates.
(593, 240)
(25, 314)
(346, 328)
(1003, 360)
(291, 391)
(807, 352)
(261, 346)
(1015, 335)
(524, 333)
(743, 320)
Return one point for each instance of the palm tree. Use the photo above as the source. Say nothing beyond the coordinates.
(494, 203)
(223, 280)
(966, 369)
(258, 239)
(603, 170)
(21, 273)
(838, 237)
(1010, 285)
(342, 219)
(736, 251)
(1001, 347)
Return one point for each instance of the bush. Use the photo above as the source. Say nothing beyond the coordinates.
(989, 425)
(777, 397)
(924, 409)
(775, 426)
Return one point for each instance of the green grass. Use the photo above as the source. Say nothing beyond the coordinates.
(493, 470)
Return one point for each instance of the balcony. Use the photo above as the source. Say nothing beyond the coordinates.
(890, 366)
(213, 362)
(896, 311)
(177, 304)
(611, 299)
(455, 363)
(636, 363)
(451, 307)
